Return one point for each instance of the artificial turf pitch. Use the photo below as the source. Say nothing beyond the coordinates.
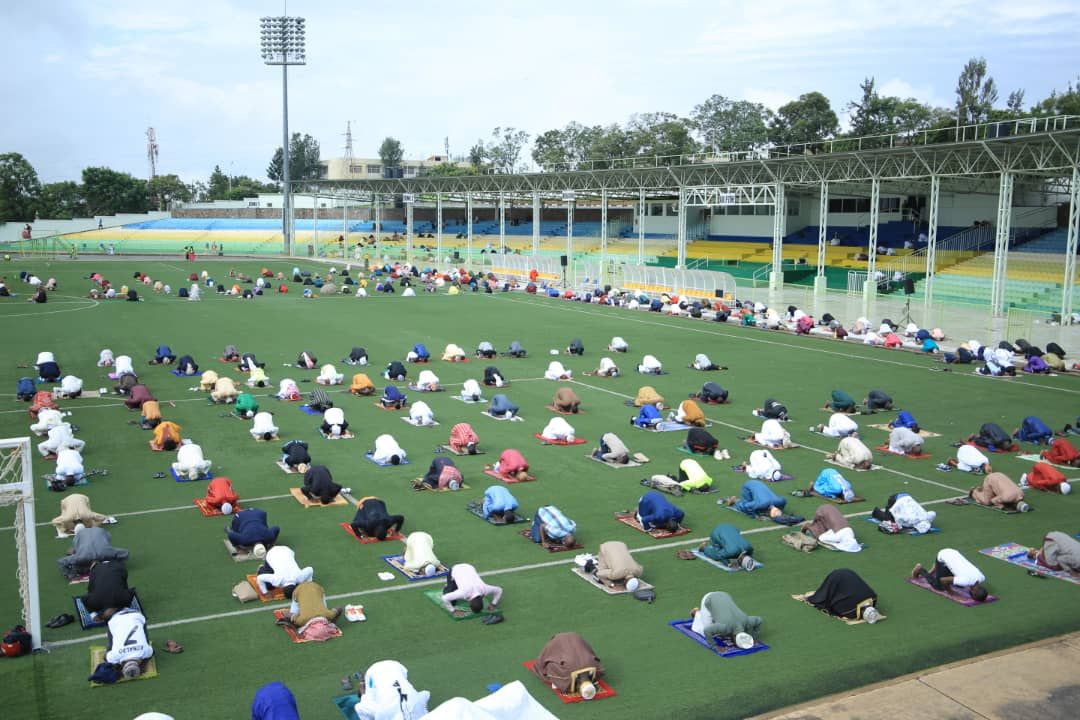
(184, 577)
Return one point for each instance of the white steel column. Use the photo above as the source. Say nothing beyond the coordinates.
(378, 229)
(438, 230)
(931, 246)
(680, 261)
(870, 286)
(536, 224)
(641, 227)
(1001, 245)
(1070, 248)
(344, 226)
(820, 280)
(502, 223)
(468, 228)
(408, 231)
(315, 219)
(570, 240)
(776, 276)
(603, 237)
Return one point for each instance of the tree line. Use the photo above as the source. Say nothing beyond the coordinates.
(717, 124)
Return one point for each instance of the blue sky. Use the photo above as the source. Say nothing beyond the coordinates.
(86, 79)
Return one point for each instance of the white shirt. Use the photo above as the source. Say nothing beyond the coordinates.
(772, 433)
(34, 280)
(842, 539)
(841, 424)
(60, 436)
(282, 560)
(650, 362)
(69, 462)
(71, 384)
(555, 370)
(701, 361)
(127, 630)
(49, 418)
(385, 448)
(558, 429)
(910, 514)
(617, 343)
(606, 366)
(189, 455)
(263, 423)
(969, 458)
(123, 366)
(333, 416)
(287, 387)
(964, 573)
(427, 377)
(328, 372)
(421, 413)
(762, 466)
(385, 682)
(409, 292)
(471, 388)
(45, 356)
(854, 450)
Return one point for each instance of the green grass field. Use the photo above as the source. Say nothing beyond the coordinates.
(183, 575)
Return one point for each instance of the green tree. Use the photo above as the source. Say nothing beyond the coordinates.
(446, 169)
(218, 188)
(477, 154)
(1015, 103)
(391, 152)
(61, 201)
(724, 124)
(573, 143)
(303, 160)
(871, 115)
(505, 149)
(109, 192)
(976, 92)
(808, 119)
(1066, 103)
(19, 188)
(659, 134)
(241, 186)
(163, 190)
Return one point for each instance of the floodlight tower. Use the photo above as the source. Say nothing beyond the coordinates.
(283, 44)
(152, 151)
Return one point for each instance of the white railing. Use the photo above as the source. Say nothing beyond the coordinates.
(856, 280)
(700, 284)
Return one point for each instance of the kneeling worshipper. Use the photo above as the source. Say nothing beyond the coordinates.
(486, 350)
(846, 595)
(387, 451)
(712, 394)
(998, 491)
(689, 413)
(190, 462)
(512, 464)
(221, 495)
(566, 400)
(443, 474)
(516, 351)
(392, 397)
(421, 413)
(108, 587)
(772, 435)
(648, 417)
(607, 368)
(263, 427)
(288, 390)
(556, 371)
(1062, 452)
(492, 377)
(428, 381)
(773, 410)
(615, 565)
(224, 391)
(373, 520)
(319, 483)
(420, 554)
(612, 449)
(308, 602)
(334, 423)
(701, 442)
(470, 391)
(969, 459)
(1047, 478)
(274, 701)
(91, 545)
(568, 664)
(693, 477)
(617, 344)
(853, 453)
(463, 439)
(702, 362)
(903, 441)
(558, 429)
(906, 420)
(951, 569)
(306, 360)
(328, 375)
(388, 694)
(127, 642)
(831, 528)
(647, 395)
(464, 583)
(840, 426)
(280, 570)
(208, 379)
(840, 401)
(250, 530)
(551, 526)
(69, 466)
(757, 499)
(1059, 551)
(453, 353)
(656, 512)
(295, 455)
(763, 465)
(719, 617)
(726, 544)
(187, 365)
(246, 405)
(75, 509)
(361, 385)
(501, 407)
(906, 512)
(500, 504)
(576, 347)
(650, 365)
(992, 437)
(878, 400)
(395, 370)
(831, 484)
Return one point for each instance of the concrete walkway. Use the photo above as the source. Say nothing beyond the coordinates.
(1040, 680)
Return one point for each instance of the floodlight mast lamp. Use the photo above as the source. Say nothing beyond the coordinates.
(282, 40)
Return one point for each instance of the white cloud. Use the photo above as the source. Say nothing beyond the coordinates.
(770, 98)
(922, 93)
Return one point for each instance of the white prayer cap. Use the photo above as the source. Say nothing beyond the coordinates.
(570, 438)
(154, 716)
(632, 584)
(849, 495)
(429, 570)
(455, 485)
(1066, 488)
(259, 551)
(80, 526)
(588, 689)
(744, 640)
(226, 508)
(871, 615)
(553, 351)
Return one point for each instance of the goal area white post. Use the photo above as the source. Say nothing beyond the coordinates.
(17, 488)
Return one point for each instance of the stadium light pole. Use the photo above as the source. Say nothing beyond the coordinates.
(283, 44)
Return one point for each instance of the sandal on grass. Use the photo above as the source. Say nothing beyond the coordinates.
(684, 554)
(171, 646)
(159, 475)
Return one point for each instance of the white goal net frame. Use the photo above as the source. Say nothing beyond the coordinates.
(17, 488)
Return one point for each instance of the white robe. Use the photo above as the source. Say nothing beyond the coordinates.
(427, 378)
(763, 466)
(421, 413)
(840, 425)
(910, 514)
(190, 461)
(556, 371)
(123, 366)
(471, 390)
(772, 434)
(558, 429)
(262, 424)
(386, 683)
(286, 571)
(969, 459)
(385, 448)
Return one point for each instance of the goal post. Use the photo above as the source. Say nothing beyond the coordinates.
(17, 488)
